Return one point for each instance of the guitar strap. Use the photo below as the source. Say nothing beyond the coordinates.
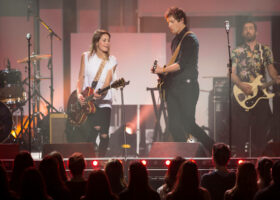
(176, 52)
(171, 61)
(99, 72)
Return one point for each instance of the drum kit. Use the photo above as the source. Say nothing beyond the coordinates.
(13, 95)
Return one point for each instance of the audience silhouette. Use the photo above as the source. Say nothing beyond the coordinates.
(98, 187)
(114, 172)
(187, 184)
(138, 186)
(246, 183)
(221, 179)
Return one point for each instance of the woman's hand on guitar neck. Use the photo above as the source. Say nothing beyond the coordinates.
(97, 96)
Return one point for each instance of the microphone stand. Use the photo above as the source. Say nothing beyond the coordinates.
(28, 37)
(229, 90)
(50, 66)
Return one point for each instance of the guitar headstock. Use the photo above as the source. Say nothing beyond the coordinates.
(119, 83)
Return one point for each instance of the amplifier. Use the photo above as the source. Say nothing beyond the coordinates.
(57, 128)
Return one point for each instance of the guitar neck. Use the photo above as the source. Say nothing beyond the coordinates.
(270, 83)
(100, 91)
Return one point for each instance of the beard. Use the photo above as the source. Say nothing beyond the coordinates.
(249, 37)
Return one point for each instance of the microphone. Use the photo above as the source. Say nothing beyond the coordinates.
(28, 36)
(227, 26)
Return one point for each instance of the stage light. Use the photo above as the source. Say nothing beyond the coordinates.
(240, 161)
(193, 161)
(144, 162)
(167, 162)
(14, 134)
(95, 163)
(129, 129)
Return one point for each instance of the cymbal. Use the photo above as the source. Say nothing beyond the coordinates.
(34, 57)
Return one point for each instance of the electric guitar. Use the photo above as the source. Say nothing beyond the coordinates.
(259, 92)
(77, 113)
(161, 80)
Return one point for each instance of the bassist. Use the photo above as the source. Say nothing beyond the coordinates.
(249, 61)
(98, 70)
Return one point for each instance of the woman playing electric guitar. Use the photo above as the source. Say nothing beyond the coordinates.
(97, 71)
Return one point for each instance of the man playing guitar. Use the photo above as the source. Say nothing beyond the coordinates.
(249, 62)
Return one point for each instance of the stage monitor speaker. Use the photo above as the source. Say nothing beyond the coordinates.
(272, 149)
(173, 149)
(87, 149)
(57, 128)
(8, 151)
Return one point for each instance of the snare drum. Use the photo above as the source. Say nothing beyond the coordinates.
(6, 122)
(11, 89)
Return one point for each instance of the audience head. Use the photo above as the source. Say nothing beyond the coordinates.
(173, 168)
(76, 164)
(98, 186)
(264, 167)
(22, 161)
(33, 185)
(114, 172)
(276, 172)
(50, 170)
(59, 159)
(187, 177)
(246, 179)
(220, 154)
(138, 177)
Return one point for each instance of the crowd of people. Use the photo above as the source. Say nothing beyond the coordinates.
(49, 180)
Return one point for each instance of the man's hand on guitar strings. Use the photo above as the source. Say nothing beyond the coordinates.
(246, 88)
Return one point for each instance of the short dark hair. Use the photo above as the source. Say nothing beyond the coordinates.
(177, 13)
(76, 163)
(250, 22)
(221, 153)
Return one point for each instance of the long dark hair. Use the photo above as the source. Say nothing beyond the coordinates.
(95, 38)
(114, 171)
(187, 184)
(171, 175)
(246, 181)
(22, 161)
(98, 186)
(264, 168)
(33, 185)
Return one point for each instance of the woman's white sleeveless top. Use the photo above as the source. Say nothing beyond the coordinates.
(92, 64)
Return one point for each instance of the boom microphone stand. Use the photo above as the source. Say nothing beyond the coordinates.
(227, 27)
(50, 66)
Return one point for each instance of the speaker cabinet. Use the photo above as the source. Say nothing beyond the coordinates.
(87, 149)
(173, 149)
(57, 128)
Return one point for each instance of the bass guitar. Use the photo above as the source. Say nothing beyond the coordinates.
(259, 92)
(77, 113)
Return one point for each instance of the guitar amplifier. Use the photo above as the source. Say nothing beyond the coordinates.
(57, 128)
